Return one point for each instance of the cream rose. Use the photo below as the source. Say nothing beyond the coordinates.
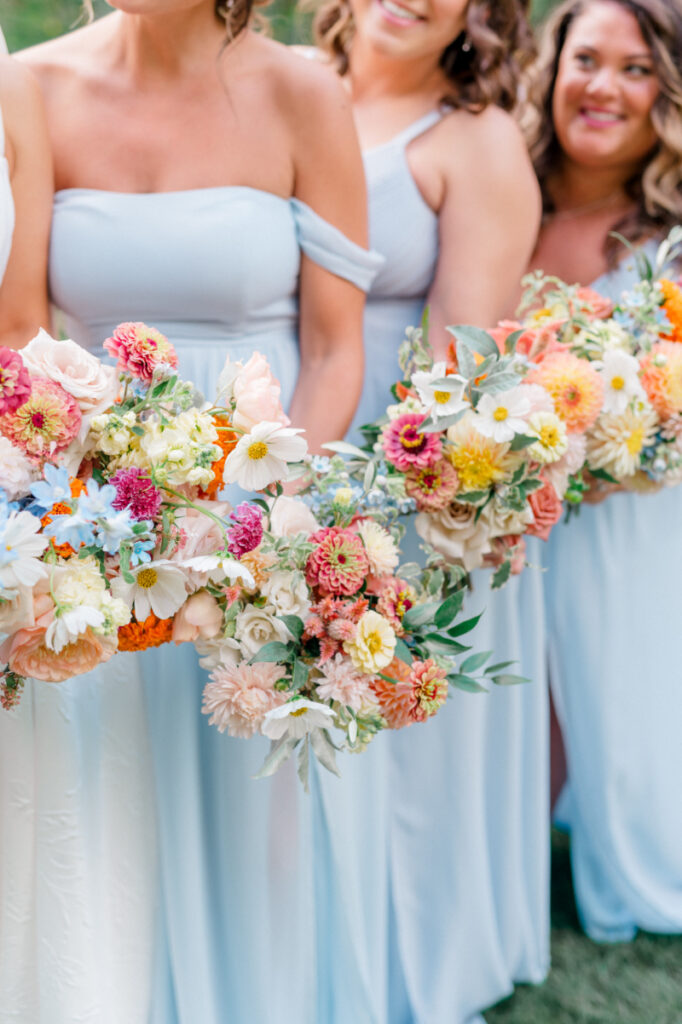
(287, 592)
(454, 532)
(255, 627)
(289, 516)
(502, 520)
(92, 383)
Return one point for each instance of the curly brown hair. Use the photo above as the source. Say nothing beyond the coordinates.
(487, 70)
(656, 187)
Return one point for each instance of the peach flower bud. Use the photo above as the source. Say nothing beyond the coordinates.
(200, 616)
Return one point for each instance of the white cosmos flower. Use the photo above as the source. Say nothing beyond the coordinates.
(296, 719)
(441, 399)
(502, 416)
(20, 548)
(620, 373)
(261, 456)
(159, 587)
(68, 626)
(216, 568)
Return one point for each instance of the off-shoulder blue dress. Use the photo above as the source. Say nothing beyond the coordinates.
(217, 271)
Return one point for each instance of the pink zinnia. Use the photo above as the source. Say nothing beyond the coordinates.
(397, 597)
(45, 423)
(238, 697)
(139, 349)
(15, 381)
(339, 563)
(406, 446)
(247, 532)
(417, 694)
(136, 492)
(432, 487)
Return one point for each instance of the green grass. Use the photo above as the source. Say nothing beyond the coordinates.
(638, 982)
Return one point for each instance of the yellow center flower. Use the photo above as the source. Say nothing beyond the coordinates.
(297, 714)
(500, 414)
(257, 450)
(147, 578)
(549, 435)
(441, 397)
(635, 440)
(617, 383)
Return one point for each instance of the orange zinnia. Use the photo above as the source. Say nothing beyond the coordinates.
(227, 442)
(672, 304)
(138, 636)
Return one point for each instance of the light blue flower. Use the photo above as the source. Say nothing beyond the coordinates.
(71, 529)
(113, 529)
(55, 487)
(141, 551)
(96, 504)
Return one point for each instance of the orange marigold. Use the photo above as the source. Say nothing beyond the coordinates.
(227, 442)
(62, 509)
(577, 389)
(672, 304)
(661, 378)
(138, 636)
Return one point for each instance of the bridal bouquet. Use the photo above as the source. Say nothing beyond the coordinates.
(332, 638)
(615, 373)
(475, 444)
(112, 536)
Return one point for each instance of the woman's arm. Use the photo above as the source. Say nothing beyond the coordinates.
(330, 179)
(488, 223)
(23, 291)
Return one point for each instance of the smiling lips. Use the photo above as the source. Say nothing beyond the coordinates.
(397, 14)
(596, 117)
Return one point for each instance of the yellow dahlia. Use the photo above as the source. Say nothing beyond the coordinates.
(480, 461)
(661, 377)
(617, 440)
(576, 388)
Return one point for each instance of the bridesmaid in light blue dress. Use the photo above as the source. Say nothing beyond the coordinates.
(216, 250)
(613, 585)
(439, 857)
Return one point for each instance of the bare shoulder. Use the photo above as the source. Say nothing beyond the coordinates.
(18, 85)
(308, 89)
(492, 140)
(75, 52)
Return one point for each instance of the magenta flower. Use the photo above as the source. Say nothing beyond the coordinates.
(406, 446)
(433, 486)
(136, 492)
(139, 349)
(247, 532)
(15, 381)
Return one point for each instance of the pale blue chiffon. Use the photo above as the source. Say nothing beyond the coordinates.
(436, 841)
(217, 271)
(614, 610)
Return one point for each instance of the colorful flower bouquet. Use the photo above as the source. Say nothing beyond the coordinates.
(112, 536)
(615, 373)
(115, 536)
(474, 444)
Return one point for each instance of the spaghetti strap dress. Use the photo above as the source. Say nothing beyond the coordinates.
(614, 610)
(217, 271)
(436, 840)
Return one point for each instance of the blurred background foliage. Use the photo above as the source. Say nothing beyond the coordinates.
(26, 22)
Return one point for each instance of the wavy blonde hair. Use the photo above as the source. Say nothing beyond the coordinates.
(656, 186)
(485, 71)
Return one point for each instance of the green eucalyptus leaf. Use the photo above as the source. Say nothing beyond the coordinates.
(475, 661)
(507, 679)
(476, 339)
(448, 610)
(498, 667)
(275, 651)
(420, 614)
(466, 626)
(294, 624)
(501, 575)
(402, 651)
(345, 448)
(302, 763)
(324, 750)
(280, 751)
(466, 683)
(299, 675)
(522, 441)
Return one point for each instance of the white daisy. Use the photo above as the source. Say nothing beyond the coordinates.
(620, 373)
(20, 548)
(504, 415)
(261, 456)
(442, 395)
(296, 719)
(159, 587)
(67, 626)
